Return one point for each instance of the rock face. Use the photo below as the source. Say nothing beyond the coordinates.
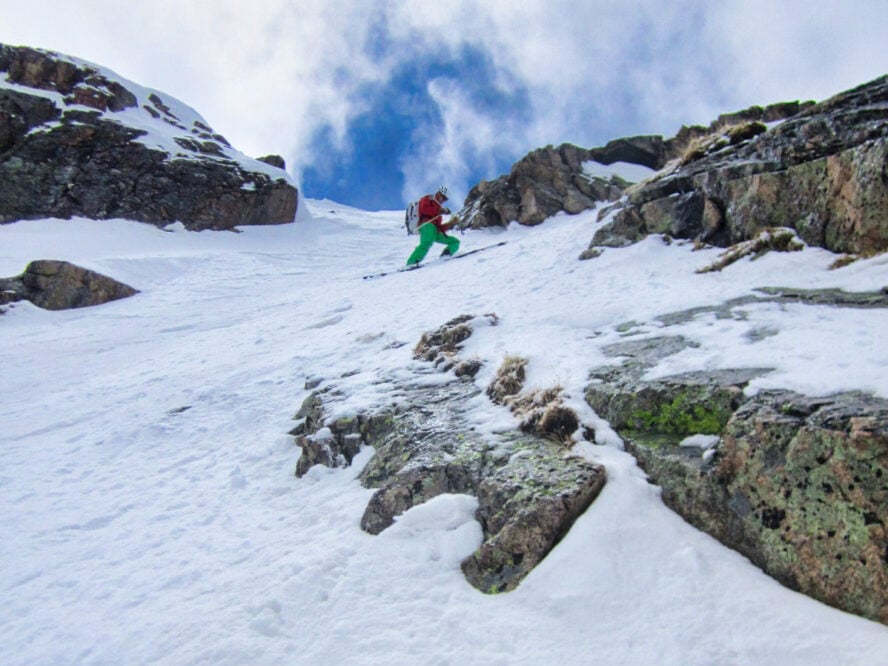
(333, 442)
(542, 184)
(59, 285)
(551, 180)
(821, 172)
(800, 485)
(797, 484)
(530, 490)
(75, 140)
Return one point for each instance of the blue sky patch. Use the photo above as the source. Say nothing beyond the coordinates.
(368, 172)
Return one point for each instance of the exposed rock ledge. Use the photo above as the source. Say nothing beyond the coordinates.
(797, 484)
(68, 149)
(821, 172)
(553, 179)
(530, 489)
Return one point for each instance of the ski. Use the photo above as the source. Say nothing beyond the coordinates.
(416, 267)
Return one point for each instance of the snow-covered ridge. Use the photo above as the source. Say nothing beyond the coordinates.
(167, 122)
(84, 141)
(632, 173)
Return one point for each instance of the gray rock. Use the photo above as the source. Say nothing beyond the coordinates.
(551, 180)
(545, 182)
(332, 442)
(273, 160)
(59, 285)
(526, 507)
(650, 151)
(530, 490)
(809, 478)
(627, 227)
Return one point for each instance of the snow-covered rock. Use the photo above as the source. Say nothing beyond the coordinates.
(78, 140)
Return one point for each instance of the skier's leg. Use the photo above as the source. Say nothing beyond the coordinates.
(451, 242)
(427, 234)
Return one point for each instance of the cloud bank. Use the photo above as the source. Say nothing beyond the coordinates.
(374, 102)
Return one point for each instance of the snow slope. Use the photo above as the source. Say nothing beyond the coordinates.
(149, 508)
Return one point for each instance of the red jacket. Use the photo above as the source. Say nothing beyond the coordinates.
(430, 211)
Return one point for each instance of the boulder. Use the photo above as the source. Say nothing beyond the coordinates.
(799, 486)
(66, 150)
(274, 160)
(649, 151)
(545, 182)
(525, 508)
(59, 285)
(796, 484)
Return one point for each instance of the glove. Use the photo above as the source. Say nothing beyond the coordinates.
(445, 211)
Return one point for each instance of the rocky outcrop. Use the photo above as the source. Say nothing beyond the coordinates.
(551, 180)
(818, 169)
(333, 442)
(530, 489)
(78, 142)
(821, 172)
(546, 182)
(649, 151)
(59, 285)
(797, 484)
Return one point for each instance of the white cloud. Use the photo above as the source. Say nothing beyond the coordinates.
(796, 49)
(265, 74)
(269, 74)
(469, 139)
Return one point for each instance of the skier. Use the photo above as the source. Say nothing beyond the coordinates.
(432, 228)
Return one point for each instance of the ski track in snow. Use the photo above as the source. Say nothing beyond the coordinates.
(150, 513)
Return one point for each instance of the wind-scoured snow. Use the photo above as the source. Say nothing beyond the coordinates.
(149, 508)
(631, 172)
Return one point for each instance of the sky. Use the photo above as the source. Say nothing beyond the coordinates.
(373, 103)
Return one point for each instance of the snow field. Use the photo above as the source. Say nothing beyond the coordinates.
(149, 508)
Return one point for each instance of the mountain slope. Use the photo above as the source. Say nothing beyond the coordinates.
(150, 510)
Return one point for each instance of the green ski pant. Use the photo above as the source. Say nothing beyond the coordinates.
(428, 235)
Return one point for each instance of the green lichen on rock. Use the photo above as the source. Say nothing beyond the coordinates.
(797, 484)
(529, 490)
(814, 473)
(526, 507)
(665, 411)
(821, 173)
(682, 416)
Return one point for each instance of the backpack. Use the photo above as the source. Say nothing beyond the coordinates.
(411, 217)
